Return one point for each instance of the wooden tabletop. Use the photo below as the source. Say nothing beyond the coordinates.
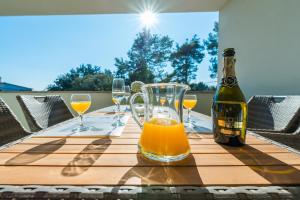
(42, 160)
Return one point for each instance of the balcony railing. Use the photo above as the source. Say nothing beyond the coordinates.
(100, 99)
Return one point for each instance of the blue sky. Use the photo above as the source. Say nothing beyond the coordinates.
(34, 50)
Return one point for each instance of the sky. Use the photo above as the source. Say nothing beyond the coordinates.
(34, 50)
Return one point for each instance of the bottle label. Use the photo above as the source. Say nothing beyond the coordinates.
(229, 118)
(229, 81)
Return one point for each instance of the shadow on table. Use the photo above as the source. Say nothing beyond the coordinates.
(156, 173)
(110, 113)
(197, 129)
(74, 129)
(36, 153)
(270, 168)
(86, 158)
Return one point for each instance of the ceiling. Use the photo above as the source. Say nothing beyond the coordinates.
(68, 7)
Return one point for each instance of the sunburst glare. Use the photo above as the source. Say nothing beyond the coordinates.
(148, 19)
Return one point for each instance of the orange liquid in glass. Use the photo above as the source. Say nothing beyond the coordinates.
(81, 106)
(162, 101)
(176, 104)
(115, 101)
(164, 137)
(189, 103)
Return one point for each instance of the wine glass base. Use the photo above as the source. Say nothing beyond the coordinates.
(127, 109)
(81, 128)
(118, 123)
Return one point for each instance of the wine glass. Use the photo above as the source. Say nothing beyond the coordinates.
(118, 93)
(170, 94)
(157, 94)
(127, 95)
(81, 103)
(189, 102)
(162, 100)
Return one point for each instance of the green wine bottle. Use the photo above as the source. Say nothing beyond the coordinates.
(229, 109)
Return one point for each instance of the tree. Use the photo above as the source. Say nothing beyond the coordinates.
(185, 60)
(211, 45)
(122, 69)
(84, 77)
(147, 58)
(199, 86)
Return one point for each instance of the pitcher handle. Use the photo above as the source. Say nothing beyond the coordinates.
(133, 110)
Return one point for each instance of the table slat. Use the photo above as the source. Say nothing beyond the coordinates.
(233, 175)
(122, 141)
(115, 160)
(59, 147)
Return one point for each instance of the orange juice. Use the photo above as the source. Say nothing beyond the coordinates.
(81, 106)
(162, 101)
(189, 103)
(176, 104)
(115, 101)
(164, 137)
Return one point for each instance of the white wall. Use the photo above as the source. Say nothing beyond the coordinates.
(266, 35)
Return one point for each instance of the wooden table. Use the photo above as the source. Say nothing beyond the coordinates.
(111, 162)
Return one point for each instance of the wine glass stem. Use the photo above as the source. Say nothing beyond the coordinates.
(169, 112)
(118, 109)
(189, 115)
(81, 119)
(127, 104)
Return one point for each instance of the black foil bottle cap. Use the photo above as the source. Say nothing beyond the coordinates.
(228, 52)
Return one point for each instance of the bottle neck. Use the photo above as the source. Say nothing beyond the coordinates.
(229, 67)
(229, 78)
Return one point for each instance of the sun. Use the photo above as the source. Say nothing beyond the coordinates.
(148, 18)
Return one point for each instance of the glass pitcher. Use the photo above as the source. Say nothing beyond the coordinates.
(163, 136)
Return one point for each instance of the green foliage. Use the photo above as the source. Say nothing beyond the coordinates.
(85, 78)
(136, 86)
(122, 67)
(211, 45)
(146, 61)
(147, 58)
(185, 60)
(201, 87)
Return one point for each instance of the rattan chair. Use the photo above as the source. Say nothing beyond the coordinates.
(44, 111)
(10, 127)
(276, 118)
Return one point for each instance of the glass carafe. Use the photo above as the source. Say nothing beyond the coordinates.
(163, 136)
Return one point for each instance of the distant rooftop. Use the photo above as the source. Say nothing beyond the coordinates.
(12, 87)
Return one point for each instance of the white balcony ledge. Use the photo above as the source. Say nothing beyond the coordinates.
(68, 7)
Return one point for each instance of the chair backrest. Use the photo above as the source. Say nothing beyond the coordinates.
(44, 111)
(10, 127)
(274, 113)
